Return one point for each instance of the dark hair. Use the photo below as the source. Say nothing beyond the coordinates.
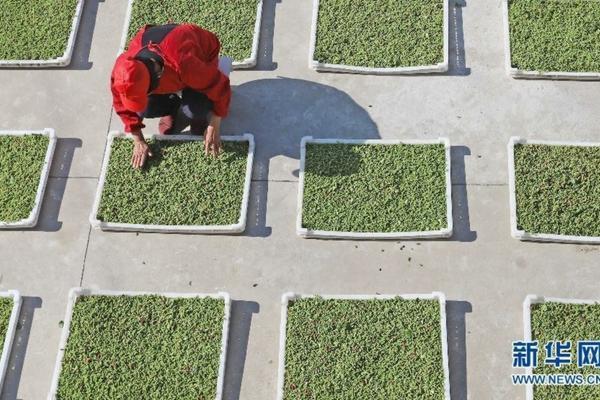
(149, 58)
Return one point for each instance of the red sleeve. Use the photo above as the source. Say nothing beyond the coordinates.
(197, 55)
(206, 78)
(131, 119)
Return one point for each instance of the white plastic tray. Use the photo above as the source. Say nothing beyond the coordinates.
(31, 221)
(10, 332)
(309, 233)
(239, 227)
(540, 237)
(287, 297)
(78, 292)
(61, 61)
(533, 299)
(421, 69)
(518, 73)
(244, 64)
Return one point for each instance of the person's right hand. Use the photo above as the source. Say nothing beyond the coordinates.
(212, 136)
(141, 150)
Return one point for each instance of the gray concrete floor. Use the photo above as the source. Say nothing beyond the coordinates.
(483, 271)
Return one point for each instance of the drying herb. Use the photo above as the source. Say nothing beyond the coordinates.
(555, 35)
(374, 188)
(21, 162)
(6, 306)
(179, 185)
(558, 189)
(565, 322)
(35, 30)
(232, 21)
(382, 34)
(363, 349)
(142, 347)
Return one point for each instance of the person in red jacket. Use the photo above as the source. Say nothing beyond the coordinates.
(165, 60)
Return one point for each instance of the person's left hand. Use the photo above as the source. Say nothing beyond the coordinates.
(212, 138)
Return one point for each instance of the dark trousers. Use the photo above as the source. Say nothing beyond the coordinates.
(193, 105)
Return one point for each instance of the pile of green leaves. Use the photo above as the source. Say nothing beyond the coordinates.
(382, 33)
(558, 189)
(232, 21)
(180, 185)
(555, 35)
(558, 321)
(6, 306)
(21, 163)
(35, 30)
(363, 349)
(374, 188)
(143, 347)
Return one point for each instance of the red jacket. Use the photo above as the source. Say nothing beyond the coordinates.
(191, 57)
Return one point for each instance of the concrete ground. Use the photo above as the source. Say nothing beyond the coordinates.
(483, 271)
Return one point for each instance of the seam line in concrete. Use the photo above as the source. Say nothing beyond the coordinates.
(87, 246)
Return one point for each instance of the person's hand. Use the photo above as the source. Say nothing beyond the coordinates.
(212, 138)
(141, 150)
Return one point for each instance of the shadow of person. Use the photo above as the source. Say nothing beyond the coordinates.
(280, 112)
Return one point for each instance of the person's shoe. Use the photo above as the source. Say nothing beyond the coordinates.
(198, 126)
(166, 125)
